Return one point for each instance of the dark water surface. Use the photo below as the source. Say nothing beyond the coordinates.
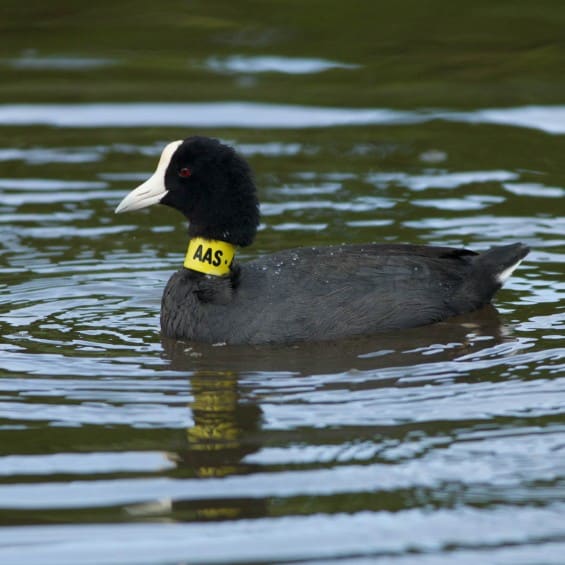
(443, 444)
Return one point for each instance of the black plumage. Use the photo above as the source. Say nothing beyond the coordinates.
(306, 293)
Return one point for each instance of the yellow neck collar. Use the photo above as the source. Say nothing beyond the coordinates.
(209, 256)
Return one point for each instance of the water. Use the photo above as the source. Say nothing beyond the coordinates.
(434, 445)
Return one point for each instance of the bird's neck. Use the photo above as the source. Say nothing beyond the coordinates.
(209, 256)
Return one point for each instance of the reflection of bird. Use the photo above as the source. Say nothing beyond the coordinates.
(217, 442)
(299, 294)
(223, 434)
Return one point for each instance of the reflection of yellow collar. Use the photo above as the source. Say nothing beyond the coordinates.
(209, 256)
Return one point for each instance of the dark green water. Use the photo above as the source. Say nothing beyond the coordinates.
(424, 122)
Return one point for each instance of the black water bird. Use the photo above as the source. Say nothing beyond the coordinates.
(304, 294)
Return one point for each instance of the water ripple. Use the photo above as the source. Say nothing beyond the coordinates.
(549, 119)
(415, 533)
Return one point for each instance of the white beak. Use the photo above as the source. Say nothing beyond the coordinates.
(153, 189)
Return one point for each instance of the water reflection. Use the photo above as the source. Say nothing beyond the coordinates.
(225, 425)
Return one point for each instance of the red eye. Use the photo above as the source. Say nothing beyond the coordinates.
(185, 172)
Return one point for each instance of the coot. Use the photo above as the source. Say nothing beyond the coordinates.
(304, 294)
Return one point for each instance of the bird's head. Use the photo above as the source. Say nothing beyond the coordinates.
(209, 183)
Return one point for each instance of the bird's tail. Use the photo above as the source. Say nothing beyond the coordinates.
(498, 263)
(489, 272)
